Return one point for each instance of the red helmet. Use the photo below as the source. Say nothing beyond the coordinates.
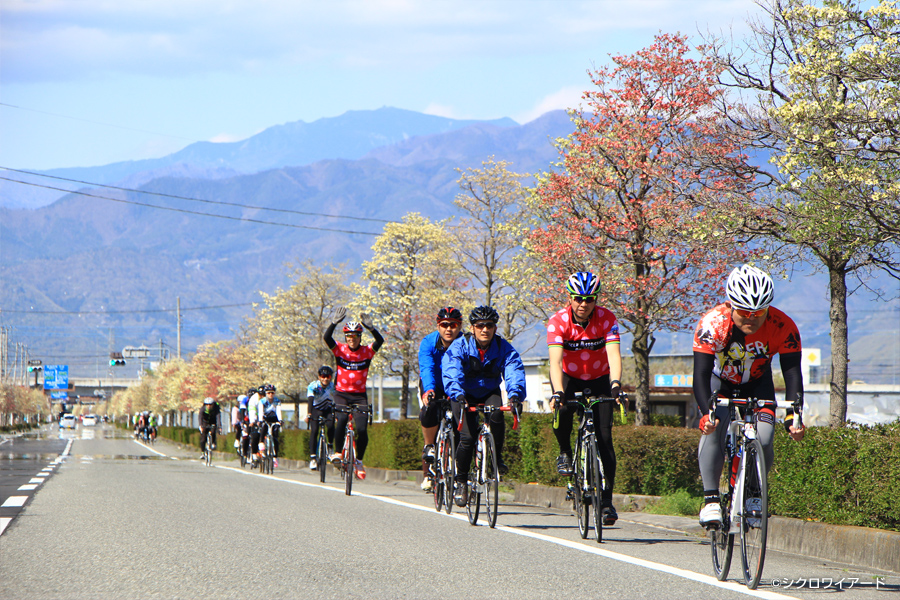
(353, 327)
(448, 313)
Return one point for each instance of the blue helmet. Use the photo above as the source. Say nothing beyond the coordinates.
(583, 283)
(243, 401)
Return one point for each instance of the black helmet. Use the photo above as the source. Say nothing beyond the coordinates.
(252, 391)
(267, 388)
(483, 313)
(325, 371)
(448, 313)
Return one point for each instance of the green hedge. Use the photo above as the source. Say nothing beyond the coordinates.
(842, 476)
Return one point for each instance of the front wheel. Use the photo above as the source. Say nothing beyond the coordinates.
(208, 451)
(596, 484)
(349, 465)
(448, 469)
(491, 481)
(580, 499)
(322, 456)
(754, 514)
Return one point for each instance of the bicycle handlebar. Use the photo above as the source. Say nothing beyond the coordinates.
(756, 404)
(487, 409)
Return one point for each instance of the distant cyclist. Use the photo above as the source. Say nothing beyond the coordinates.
(353, 360)
(238, 418)
(734, 345)
(472, 370)
(320, 399)
(210, 421)
(583, 344)
(431, 351)
(265, 414)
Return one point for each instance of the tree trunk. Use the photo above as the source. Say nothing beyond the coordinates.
(404, 390)
(839, 358)
(640, 347)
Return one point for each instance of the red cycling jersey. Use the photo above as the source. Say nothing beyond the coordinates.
(584, 348)
(742, 358)
(352, 368)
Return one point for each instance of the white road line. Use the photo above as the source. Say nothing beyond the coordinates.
(36, 480)
(3, 441)
(14, 501)
(4, 521)
(690, 575)
(28, 487)
(149, 448)
(42, 474)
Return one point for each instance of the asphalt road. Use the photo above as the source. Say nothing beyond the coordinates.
(120, 520)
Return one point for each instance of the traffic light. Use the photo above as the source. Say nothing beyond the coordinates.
(116, 359)
(35, 369)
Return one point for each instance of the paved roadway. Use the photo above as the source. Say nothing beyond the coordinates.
(120, 520)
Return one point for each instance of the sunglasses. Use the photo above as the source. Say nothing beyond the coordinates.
(484, 325)
(585, 299)
(750, 314)
(448, 324)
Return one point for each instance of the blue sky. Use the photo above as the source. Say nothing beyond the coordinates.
(90, 82)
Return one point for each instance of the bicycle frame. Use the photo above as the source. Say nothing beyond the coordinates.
(348, 456)
(484, 479)
(442, 469)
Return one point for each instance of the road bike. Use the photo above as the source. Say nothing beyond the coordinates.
(588, 479)
(484, 477)
(268, 458)
(240, 433)
(322, 450)
(348, 455)
(208, 447)
(443, 470)
(745, 504)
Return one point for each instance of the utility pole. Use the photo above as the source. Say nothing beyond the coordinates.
(178, 323)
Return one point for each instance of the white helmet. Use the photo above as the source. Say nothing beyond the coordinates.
(749, 288)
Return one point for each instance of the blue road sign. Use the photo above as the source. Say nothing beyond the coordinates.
(56, 377)
(54, 395)
(673, 381)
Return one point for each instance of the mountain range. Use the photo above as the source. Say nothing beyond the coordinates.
(85, 273)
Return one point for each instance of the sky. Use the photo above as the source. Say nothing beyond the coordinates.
(91, 82)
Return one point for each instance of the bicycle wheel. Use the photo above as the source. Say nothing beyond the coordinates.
(437, 481)
(721, 539)
(349, 464)
(595, 483)
(474, 503)
(208, 449)
(491, 481)
(322, 455)
(754, 514)
(582, 508)
(448, 469)
(240, 451)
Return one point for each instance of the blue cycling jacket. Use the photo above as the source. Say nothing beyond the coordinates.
(431, 351)
(466, 374)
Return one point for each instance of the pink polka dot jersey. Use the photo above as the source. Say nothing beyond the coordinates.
(352, 367)
(584, 348)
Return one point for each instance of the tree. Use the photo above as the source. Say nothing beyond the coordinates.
(818, 92)
(489, 247)
(649, 151)
(411, 274)
(287, 332)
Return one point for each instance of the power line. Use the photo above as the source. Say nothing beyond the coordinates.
(193, 212)
(174, 196)
(43, 112)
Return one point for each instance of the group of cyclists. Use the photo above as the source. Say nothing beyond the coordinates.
(734, 344)
(145, 425)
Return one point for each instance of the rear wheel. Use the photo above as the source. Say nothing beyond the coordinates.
(437, 481)
(322, 455)
(754, 514)
(474, 504)
(491, 481)
(582, 509)
(208, 450)
(596, 484)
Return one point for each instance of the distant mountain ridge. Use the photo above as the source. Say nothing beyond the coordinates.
(348, 136)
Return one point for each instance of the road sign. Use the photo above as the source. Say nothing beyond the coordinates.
(35, 363)
(673, 380)
(59, 396)
(132, 352)
(56, 377)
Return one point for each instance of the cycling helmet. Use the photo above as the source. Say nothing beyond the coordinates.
(207, 400)
(449, 313)
(243, 400)
(267, 388)
(583, 283)
(353, 327)
(325, 371)
(252, 391)
(483, 313)
(749, 288)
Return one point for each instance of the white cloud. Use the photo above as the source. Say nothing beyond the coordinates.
(567, 97)
(442, 110)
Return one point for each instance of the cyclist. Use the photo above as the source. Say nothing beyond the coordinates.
(238, 414)
(471, 369)
(431, 351)
(210, 420)
(583, 344)
(265, 413)
(320, 398)
(734, 344)
(152, 423)
(353, 360)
